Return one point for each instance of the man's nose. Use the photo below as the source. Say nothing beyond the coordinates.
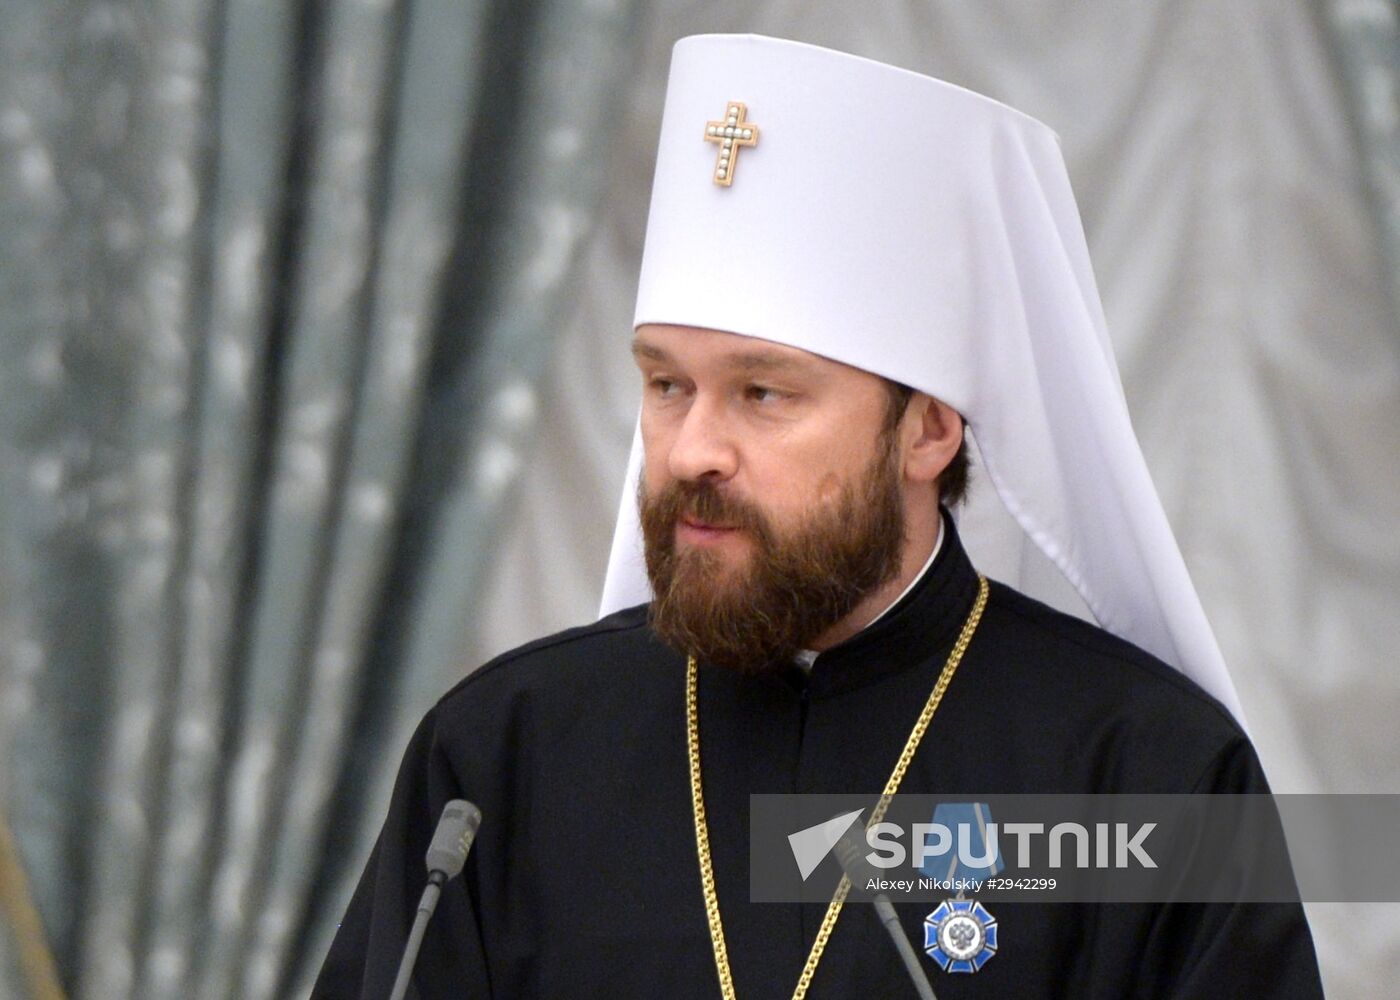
(704, 446)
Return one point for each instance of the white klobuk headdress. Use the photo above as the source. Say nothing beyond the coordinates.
(928, 234)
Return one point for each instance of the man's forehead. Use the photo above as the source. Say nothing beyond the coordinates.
(661, 342)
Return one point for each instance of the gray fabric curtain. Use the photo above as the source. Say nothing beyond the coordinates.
(1367, 37)
(278, 281)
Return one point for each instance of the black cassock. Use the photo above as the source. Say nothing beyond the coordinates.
(584, 882)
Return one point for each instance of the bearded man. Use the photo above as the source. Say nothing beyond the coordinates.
(746, 586)
(830, 290)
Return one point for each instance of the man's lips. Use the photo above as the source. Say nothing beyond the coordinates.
(693, 529)
(695, 522)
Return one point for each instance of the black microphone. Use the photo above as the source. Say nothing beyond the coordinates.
(851, 851)
(446, 855)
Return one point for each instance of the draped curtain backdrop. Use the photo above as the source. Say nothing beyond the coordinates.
(278, 281)
(314, 394)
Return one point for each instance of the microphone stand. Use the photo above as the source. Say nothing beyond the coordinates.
(431, 892)
(446, 855)
(851, 853)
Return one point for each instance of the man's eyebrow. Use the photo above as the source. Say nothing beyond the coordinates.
(752, 361)
(767, 362)
(641, 349)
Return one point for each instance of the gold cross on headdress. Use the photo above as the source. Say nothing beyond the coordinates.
(731, 134)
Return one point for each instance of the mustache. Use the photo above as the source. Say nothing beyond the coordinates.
(702, 501)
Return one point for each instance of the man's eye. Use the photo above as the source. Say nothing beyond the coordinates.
(762, 393)
(663, 386)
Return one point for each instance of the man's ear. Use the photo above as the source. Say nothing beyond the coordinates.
(931, 434)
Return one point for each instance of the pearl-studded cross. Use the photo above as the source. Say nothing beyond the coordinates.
(731, 134)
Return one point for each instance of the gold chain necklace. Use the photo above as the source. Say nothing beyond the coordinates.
(702, 833)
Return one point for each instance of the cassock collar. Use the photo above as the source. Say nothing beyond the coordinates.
(805, 657)
(921, 625)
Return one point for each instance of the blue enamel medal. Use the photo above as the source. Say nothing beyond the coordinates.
(960, 935)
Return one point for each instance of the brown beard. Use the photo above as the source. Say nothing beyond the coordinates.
(793, 588)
